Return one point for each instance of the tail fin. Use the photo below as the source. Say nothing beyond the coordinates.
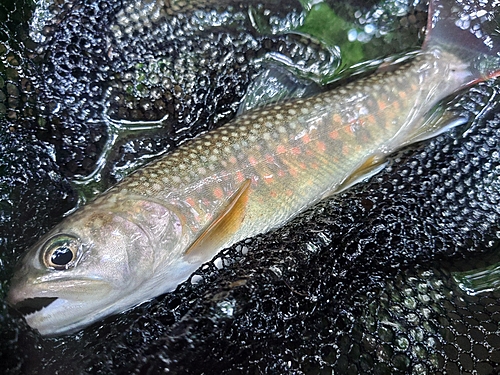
(470, 30)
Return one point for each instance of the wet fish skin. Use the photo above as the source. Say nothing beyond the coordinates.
(131, 242)
(150, 232)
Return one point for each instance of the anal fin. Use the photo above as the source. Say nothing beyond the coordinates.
(222, 228)
(439, 121)
(373, 165)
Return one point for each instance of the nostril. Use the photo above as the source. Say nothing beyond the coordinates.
(31, 305)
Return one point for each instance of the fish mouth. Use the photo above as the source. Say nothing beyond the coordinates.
(32, 305)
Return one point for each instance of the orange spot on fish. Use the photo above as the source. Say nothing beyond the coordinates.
(240, 177)
(218, 193)
(281, 173)
(296, 150)
(281, 149)
(252, 160)
(306, 139)
(303, 166)
(269, 179)
(233, 160)
(395, 107)
(269, 159)
(321, 146)
(345, 149)
(337, 118)
(190, 201)
(334, 134)
(273, 194)
(381, 105)
(289, 193)
(293, 172)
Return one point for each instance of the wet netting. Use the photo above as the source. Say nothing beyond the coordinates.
(398, 275)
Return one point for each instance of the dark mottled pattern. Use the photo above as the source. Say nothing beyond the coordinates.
(360, 283)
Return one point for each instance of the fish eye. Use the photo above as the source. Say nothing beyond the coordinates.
(60, 252)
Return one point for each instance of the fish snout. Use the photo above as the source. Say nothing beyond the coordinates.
(20, 300)
(19, 296)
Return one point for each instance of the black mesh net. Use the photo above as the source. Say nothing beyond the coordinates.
(381, 279)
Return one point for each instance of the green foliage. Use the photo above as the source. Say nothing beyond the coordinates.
(324, 24)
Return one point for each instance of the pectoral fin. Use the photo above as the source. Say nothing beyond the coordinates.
(222, 228)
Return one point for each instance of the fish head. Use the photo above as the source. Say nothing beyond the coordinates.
(91, 265)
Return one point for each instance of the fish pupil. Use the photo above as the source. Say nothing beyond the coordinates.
(62, 256)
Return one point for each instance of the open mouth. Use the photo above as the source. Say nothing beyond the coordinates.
(31, 305)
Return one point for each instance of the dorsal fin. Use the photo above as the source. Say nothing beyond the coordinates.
(276, 84)
(222, 228)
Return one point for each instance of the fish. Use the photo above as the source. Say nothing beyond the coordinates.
(150, 232)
